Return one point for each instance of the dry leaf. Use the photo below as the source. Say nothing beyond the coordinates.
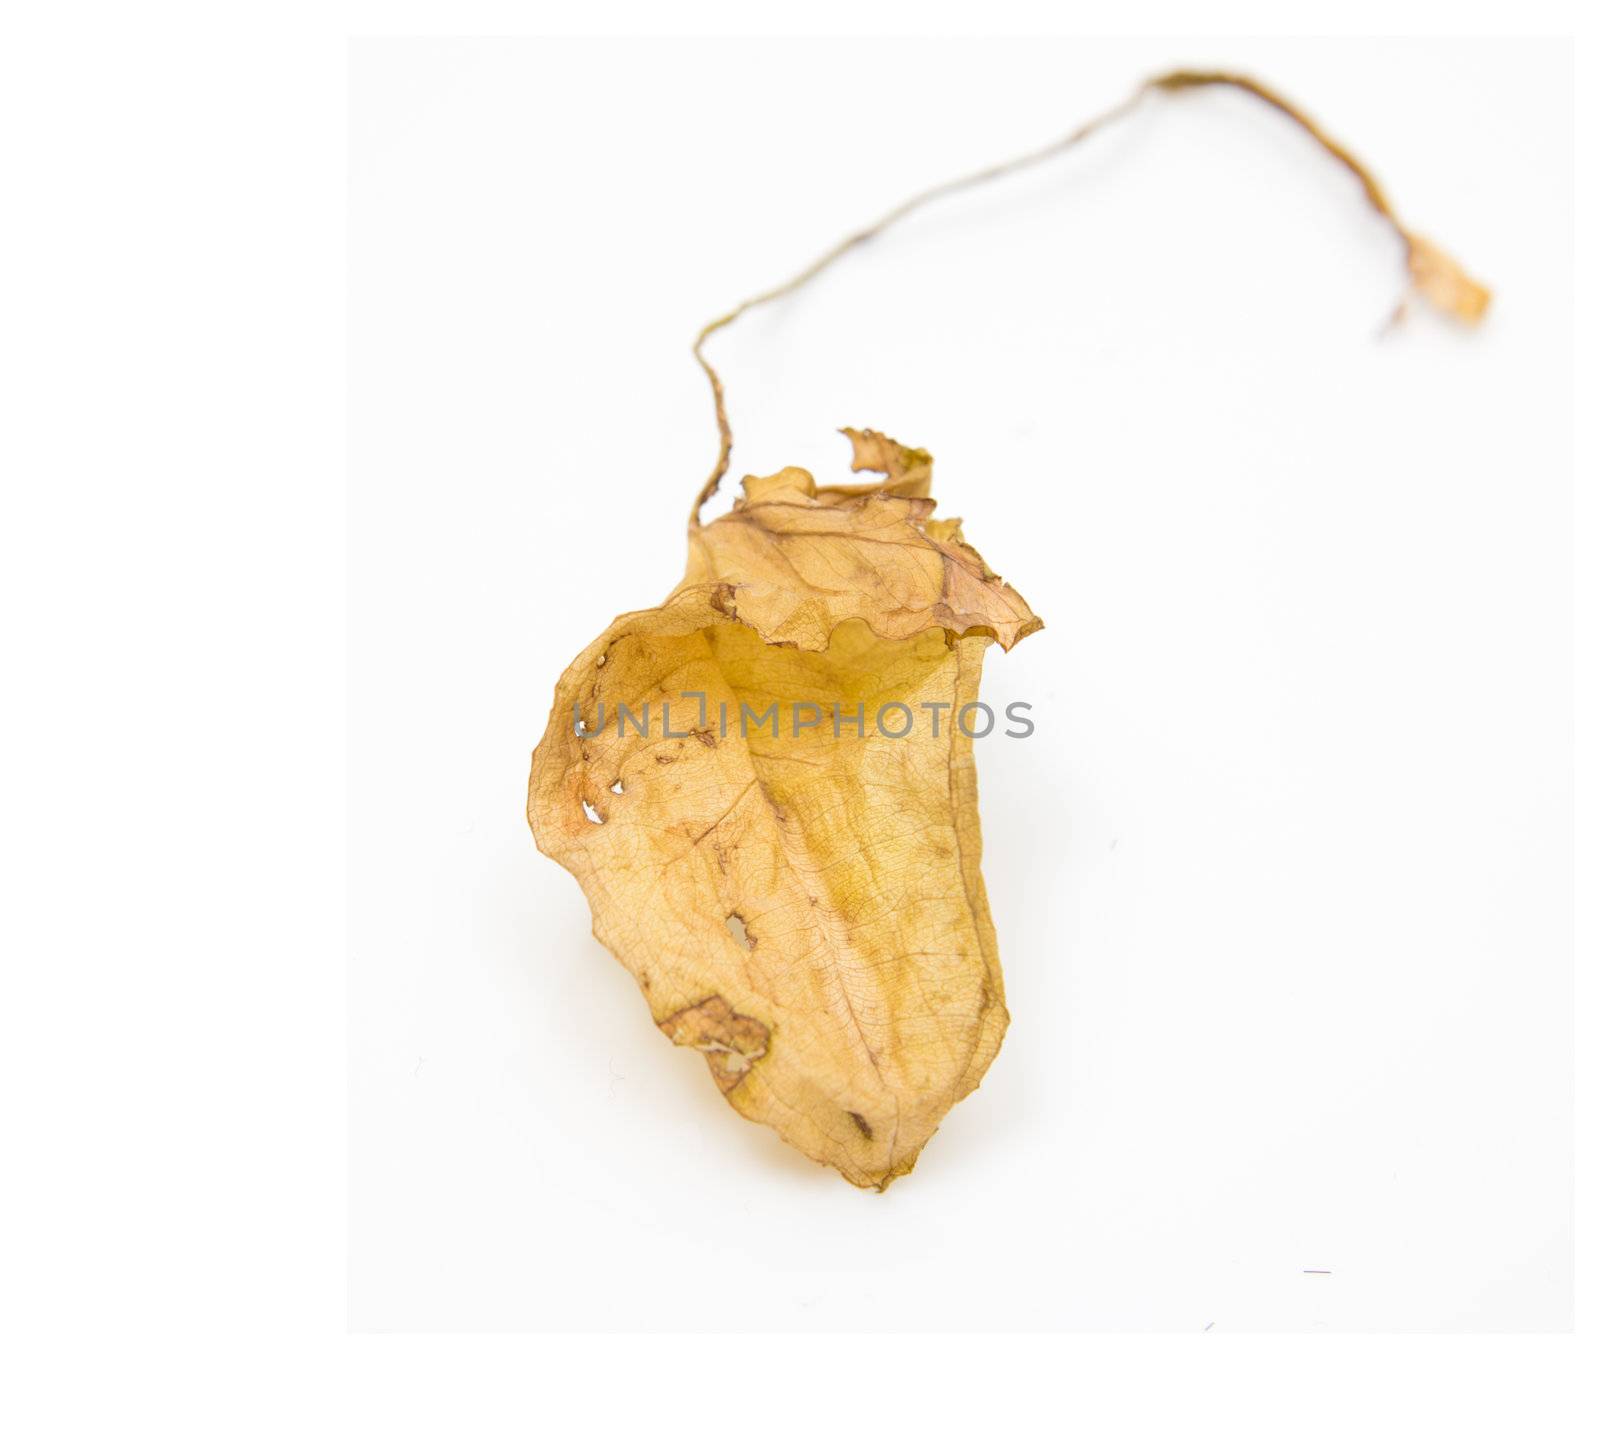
(802, 907)
(806, 911)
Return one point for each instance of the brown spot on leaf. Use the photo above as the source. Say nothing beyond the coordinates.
(862, 1125)
(730, 1041)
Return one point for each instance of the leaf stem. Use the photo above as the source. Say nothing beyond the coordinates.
(1433, 273)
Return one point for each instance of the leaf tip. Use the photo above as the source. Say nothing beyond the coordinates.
(1444, 282)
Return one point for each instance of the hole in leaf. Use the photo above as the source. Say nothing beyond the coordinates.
(617, 787)
(740, 934)
(592, 814)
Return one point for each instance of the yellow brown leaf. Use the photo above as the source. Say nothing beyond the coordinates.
(803, 906)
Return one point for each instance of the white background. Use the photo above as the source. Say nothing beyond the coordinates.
(1282, 884)
(172, 1031)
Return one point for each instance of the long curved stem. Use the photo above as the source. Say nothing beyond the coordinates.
(1433, 274)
